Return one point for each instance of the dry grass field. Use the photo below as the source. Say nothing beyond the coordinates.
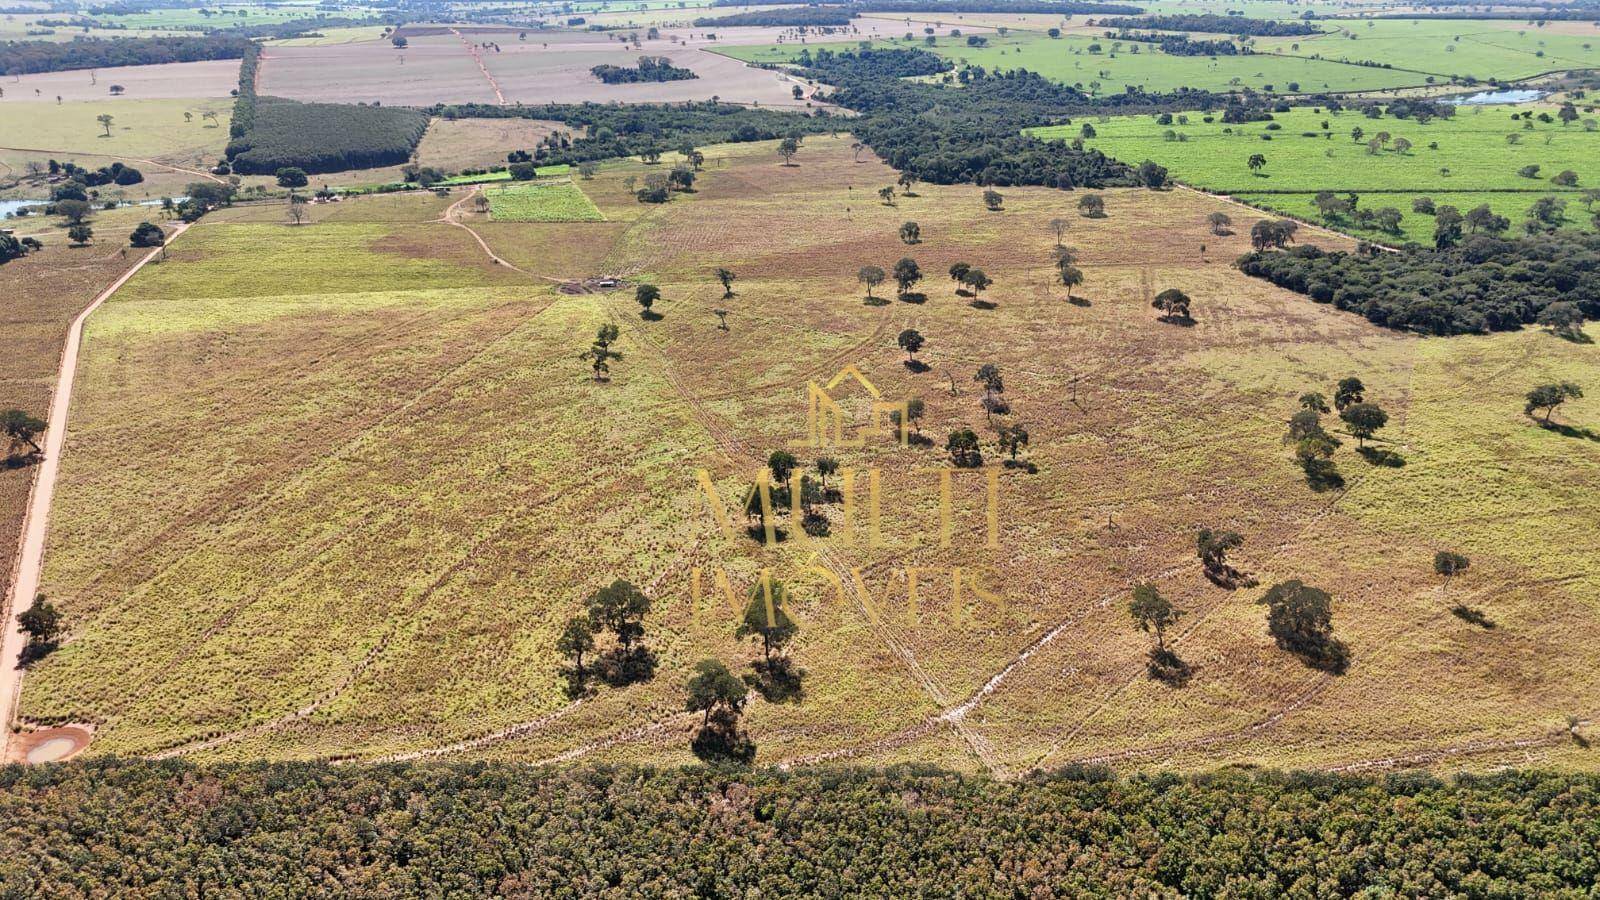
(210, 78)
(367, 478)
(43, 292)
(453, 68)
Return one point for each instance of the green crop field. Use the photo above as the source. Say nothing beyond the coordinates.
(505, 175)
(537, 201)
(1466, 160)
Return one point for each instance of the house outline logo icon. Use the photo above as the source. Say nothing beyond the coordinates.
(825, 417)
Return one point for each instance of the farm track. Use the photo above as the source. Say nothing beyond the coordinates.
(31, 540)
(477, 58)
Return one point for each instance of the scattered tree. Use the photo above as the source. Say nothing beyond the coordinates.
(720, 695)
(964, 449)
(787, 148)
(1092, 206)
(766, 616)
(80, 234)
(646, 295)
(600, 353)
(1300, 619)
(992, 199)
(1549, 396)
(1449, 563)
(576, 639)
(21, 428)
(726, 278)
(1174, 305)
(871, 276)
(1153, 613)
(910, 341)
(1219, 222)
(906, 274)
(41, 622)
(1348, 392)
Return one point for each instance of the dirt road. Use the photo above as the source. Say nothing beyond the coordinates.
(31, 556)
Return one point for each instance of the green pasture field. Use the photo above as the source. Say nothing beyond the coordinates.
(1483, 50)
(1473, 163)
(555, 201)
(1068, 60)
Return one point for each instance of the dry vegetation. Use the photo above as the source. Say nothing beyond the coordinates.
(369, 479)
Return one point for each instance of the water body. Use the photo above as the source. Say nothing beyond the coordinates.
(1519, 95)
(9, 207)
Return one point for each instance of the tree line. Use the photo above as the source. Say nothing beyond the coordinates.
(1019, 7)
(508, 830)
(1214, 24)
(27, 57)
(1486, 283)
(802, 16)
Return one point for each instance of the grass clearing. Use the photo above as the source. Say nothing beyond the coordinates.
(542, 201)
(380, 497)
(1466, 160)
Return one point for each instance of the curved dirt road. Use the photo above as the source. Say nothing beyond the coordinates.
(26, 583)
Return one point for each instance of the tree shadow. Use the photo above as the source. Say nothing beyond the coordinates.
(22, 460)
(1180, 321)
(33, 651)
(1166, 667)
(913, 297)
(963, 292)
(1587, 434)
(876, 301)
(576, 687)
(720, 740)
(1380, 457)
(620, 668)
(1080, 301)
(1228, 578)
(650, 315)
(1322, 475)
(919, 440)
(1467, 614)
(1326, 654)
(757, 532)
(983, 304)
(918, 366)
(1022, 464)
(778, 681)
(1575, 337)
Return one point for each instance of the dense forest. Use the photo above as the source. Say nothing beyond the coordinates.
(1215, 24)
(27, 57)
(649, 68)
(171, 829)
(796, 16)
(612, 130)
(324, 137)
(1486, 283)
(972, 133)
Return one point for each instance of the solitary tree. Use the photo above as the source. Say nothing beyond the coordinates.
(1071, 277)
(1092, 206)
(297, 209)
(646, 295)
(1153, 613)
(906, 274)
(1174, 305)
(620, 608)
(720, 695)
(1300, 619)
(1213, 548)
(1314, 401)
(1348, 392)
(886, 194)
(1012, 438)
(907, 181)
(963, 448)
(910, 341)
(911, 233)
(577, 638)
(871, 276)
(787, 148)
(976, 281)
(105, 120)
(80, 234)
(1257, 162)
(22, 428)
(992, 199)
(1549, 396)
(41, 622)
(766, 616)
(1363, 420)
(1219, 222)
(1448, 563)
(726, 277)
(600, 353)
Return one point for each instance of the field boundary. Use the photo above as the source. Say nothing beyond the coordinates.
(31, 545)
